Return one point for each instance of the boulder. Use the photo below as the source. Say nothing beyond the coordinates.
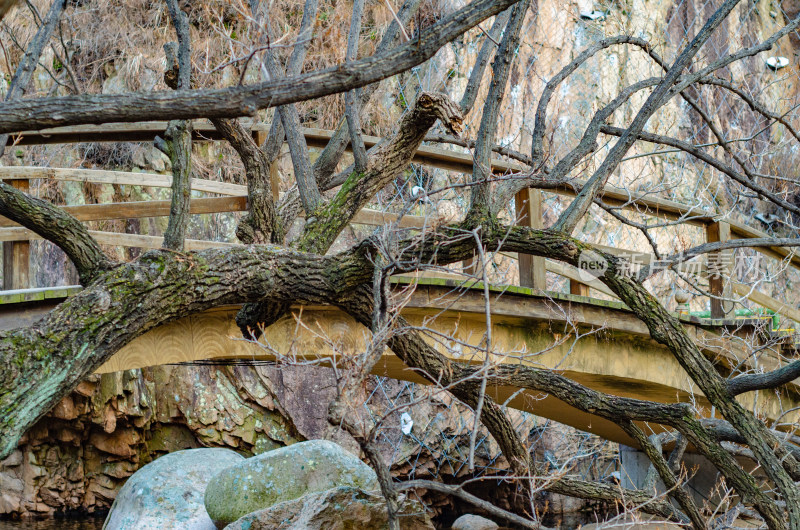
(474, 522)
(168, 492)
(282, 475)
(334, 509)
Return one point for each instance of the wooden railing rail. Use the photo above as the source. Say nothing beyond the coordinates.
(532, 270)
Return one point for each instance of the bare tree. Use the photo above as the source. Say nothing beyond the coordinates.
(121, 301)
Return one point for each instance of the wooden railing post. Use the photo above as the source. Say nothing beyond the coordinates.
(576, 287)
(16, 255)
(720, 269)
(275, 178)
(532, 272)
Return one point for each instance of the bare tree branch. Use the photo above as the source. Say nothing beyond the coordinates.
(24, 73)
(705, 248)
(487, 49)
(53, 224)
(261, 224)
(774, 379)
(480, 198)
(576, 210)
(352, 101)
(710, 160)
(310, 196)
(326, 164)
(537, 148)
(178, 144)
(245, 101)
(457, 491)
(385, 161)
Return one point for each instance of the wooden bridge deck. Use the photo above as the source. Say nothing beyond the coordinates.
(530, 326)
(615, 353)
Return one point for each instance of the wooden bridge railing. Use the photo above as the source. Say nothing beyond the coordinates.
(232, 198)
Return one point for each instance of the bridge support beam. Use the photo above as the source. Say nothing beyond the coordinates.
(634, 466)
(703, 476)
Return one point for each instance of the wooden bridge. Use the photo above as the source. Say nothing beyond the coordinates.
(530, 324)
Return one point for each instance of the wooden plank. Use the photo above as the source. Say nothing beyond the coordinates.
(528, 205)
(114, 239)
(11, 231)
(433, 156)
(140, 209)
(142, 241)
(109, 132)
(720, 270)
(570, 272)
(742, 231)
(767, 301)
(16, 256)
(203, 130)
(378, 218)
(578, 288)
(128, 178)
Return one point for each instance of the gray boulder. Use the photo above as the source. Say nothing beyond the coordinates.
(168, 492)
(282, 475)
(474, 522)
(336, 509)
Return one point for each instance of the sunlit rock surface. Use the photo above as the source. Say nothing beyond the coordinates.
(167, 494)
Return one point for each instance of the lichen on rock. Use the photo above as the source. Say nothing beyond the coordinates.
(283, 475)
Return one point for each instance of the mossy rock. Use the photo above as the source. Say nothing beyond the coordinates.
(282, 475)
(337, 508)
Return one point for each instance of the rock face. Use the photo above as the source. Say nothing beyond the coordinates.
(283, 475)
(474, 522)
(168, 493)
(80, 454)
(334, 509)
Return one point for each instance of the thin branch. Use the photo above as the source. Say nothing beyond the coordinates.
(487, 311)
(397, 19)
(662, 468)
(295, 66)
(352, 101)
(310, 195)
(457, 491)
(710, 160)
(499, 149)
(487, 49)
(537, 149)
(326, 163)
(681, 257)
